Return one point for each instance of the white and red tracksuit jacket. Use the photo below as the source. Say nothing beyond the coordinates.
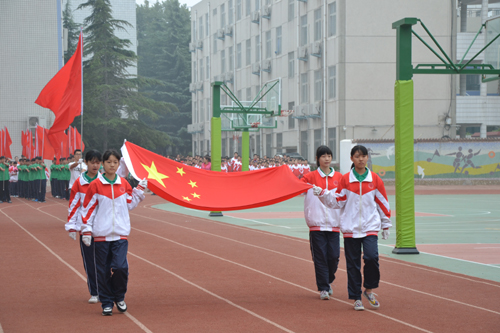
(105, 209)
(318, 216)
(365, 208)
(76, 198)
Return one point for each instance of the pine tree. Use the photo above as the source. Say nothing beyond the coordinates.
(73, 31)
(164, 35)
(114, 109)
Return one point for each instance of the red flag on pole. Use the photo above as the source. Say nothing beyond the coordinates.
(45, 149)
(2, 144)
(63, 94)
(208, 190)
(78, 140)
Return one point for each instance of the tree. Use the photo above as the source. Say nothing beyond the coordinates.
(163, 34)
(114, 109)
(73, 31)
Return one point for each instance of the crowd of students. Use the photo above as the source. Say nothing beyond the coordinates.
(234, 164)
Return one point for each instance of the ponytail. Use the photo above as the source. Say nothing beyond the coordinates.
(352, 166)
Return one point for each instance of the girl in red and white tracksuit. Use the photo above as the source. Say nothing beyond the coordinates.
(365, 212)
(323, 222)
(79, 189)
(105, 218)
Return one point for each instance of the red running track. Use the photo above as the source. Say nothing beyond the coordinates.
(190, 274)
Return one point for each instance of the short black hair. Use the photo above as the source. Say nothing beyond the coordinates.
(107, 154)
(361, 149)
(322, 150)
(76, 151)
(92, 155)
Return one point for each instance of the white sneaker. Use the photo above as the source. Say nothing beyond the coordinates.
(358, 305)
(122, 307)
(330, 292)
(94, 299)
(324, 295)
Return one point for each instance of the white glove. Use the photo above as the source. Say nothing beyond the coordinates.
(87, 240)
(72, 234)
(80, 161)
(143, 184)
(317, 190)
(385, 233)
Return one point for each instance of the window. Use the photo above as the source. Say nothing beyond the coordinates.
(208, 67)
(291, 121)
(195, 71)
(249, 52)
(304, 89)
(257, 5)
(201, 70)
(208, 108)
(223, 61)
(303, 144)
(318, 85)
(223, 141)
(222, 16)
(215, 43)
(332, 82)
(231, 59)
(238, 55)
(317, 24)
(209, 148)
(195, 110)
(194, 151)
(472, 84)
(231, 145)
(317, 138)
(257, 144)
(279, 142)
(214, 12)
(238, 10)
(291, 10)
(230, 11)
(206, 24)
(303, 30)
(249, 94)
(268, 44)
(257, 48)
(291, 64)
(269, 144)
(278, 40)
(239, 95)
(332, 142)
(248, 9)
(200, 28)
(257, 91)
(194, 31)
(332, 19)
(202, 109)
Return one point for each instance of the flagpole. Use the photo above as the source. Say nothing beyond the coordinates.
(81, 112)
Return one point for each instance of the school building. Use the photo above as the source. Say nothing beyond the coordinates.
(337, 62)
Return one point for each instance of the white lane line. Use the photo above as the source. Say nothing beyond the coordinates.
(273, 225)
(276, 278)
(214, 295)
(1, 329)
(441, 256)
(303, 241)
(137, 322)
(487, 247)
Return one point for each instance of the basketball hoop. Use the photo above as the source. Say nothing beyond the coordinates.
(255, 125)
(286, 113)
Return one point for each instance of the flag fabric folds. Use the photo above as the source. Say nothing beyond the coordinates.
(209, 190)
(5, 142)
(44, 149)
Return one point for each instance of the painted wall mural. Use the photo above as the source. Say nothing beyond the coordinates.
(440, 160)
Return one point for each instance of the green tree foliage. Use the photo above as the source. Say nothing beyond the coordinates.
(163, 34)
(73, 31)
(114, 108)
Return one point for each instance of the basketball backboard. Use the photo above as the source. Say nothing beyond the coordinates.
(492, 52)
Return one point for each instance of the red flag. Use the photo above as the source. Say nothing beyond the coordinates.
(2, 143)
(208, 190)
(63, 93)
(7, 142)
(78, 140)
(23, 143)
(59, 142)
(45, 149)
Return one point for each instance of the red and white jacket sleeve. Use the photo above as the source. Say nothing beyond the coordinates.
(334, 199)
(74, 215)
(134, 196)
(88, 210)
(383, 207)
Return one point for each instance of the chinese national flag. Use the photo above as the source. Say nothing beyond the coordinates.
(7, 141)
(209, 190)
(63, 93)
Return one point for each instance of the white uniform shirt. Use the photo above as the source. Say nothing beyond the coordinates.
(76, 172)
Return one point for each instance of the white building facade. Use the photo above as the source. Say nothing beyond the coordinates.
(336, 60)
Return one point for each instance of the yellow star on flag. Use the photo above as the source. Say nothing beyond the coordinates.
(197, 196)
(181, 171)
(186, 198)
(154, 174)
(193, 184)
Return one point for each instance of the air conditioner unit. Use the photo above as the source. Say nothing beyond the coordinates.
(228, 77)
(266, 66)
(316, 49)
(256, 68)
(192, 47)
(255, 17)
(228, 30)
(316, 111)
(220, 34)
(216, 78)
(192, 87)
(199, 86)
(303, 110)
(199, 45)
(302, 53)
(266, 12)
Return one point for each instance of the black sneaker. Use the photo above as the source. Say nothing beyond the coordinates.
(107, 311)
(122, 307)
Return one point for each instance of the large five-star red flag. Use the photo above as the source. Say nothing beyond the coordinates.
(209, 190)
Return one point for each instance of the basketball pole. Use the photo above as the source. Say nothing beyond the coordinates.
(245, 149)
(216, 133)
